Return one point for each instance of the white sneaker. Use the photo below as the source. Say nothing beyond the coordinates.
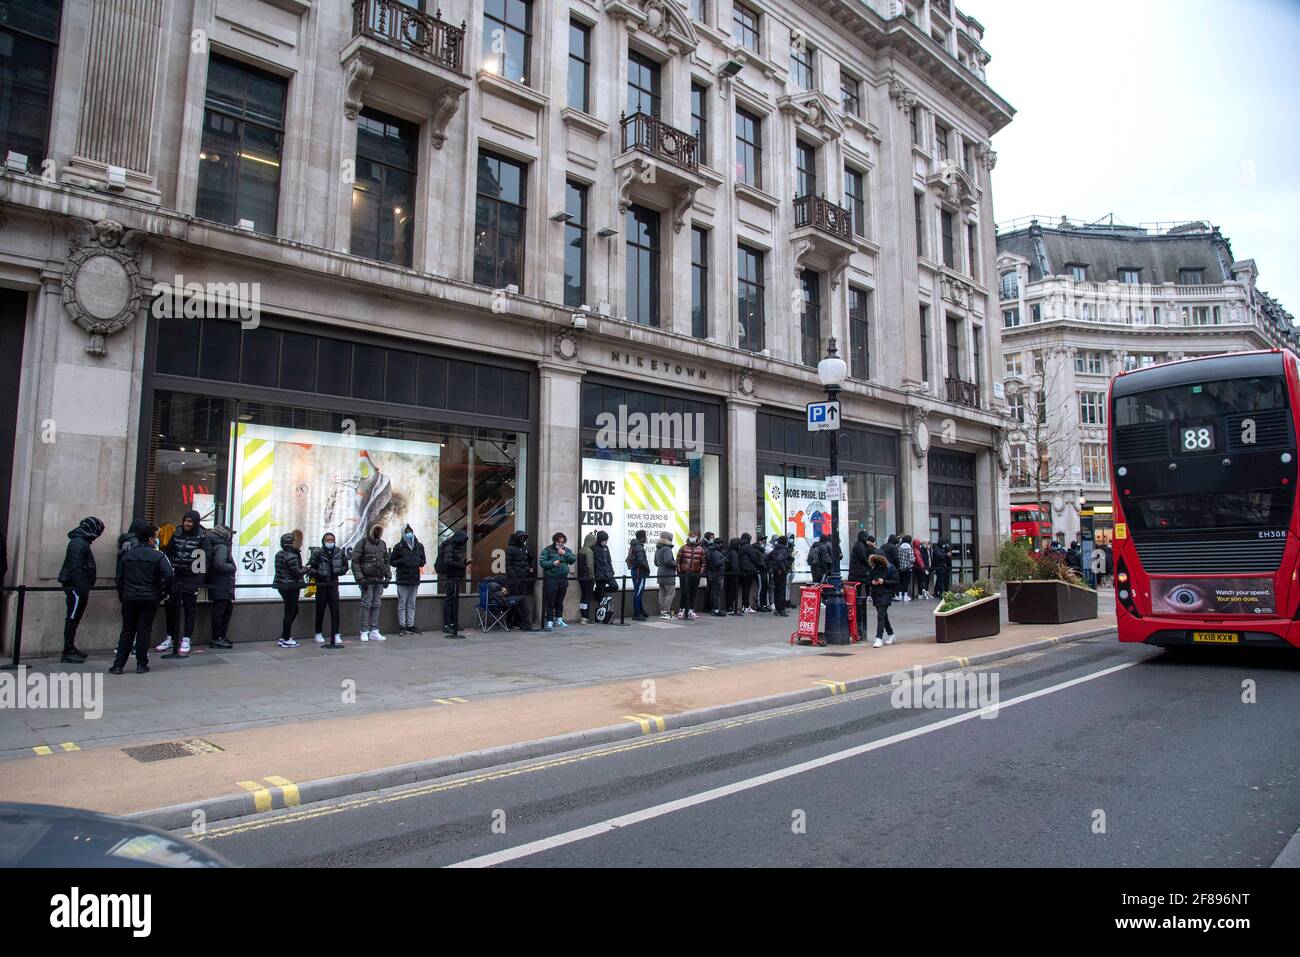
(907, 598)
(320, 639)
(889, 640)
(365, 636)
(376, 636)
(666, 615)
(877, 643)
(185, 646)
(166, 645)
(693, 616)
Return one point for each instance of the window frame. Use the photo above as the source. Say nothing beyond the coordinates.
(508, 29)
(578, 224)
(700, 299)
(498, 264)
(751, 149)
(584, 29)
(742, 30)
(860, 333)
(655, 253)
(755, 285)
(413, 171)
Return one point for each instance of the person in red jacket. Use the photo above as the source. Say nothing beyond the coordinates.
(690, 565)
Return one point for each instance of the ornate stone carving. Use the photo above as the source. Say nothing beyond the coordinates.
(987, 155)
(637, 169)
(565, 345)
(102, 286)
(814, 110)
(359, 71)
(956, 187)
(745, 383)
(919, 432)
(444, 108)
(956, 291)
(664, 20)
(903, 98)
(685, 200)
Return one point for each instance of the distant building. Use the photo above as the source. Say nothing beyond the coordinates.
(1081, 303)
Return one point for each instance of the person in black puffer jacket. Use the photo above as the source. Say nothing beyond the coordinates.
(220, 576)
(745, 563)
(638, 566)
(860, 569)
(185, 552)
(884, 583)
(716, 563)
(372, 573)
(326, 566)
(778, 566)
(77, 576)
(144, 578)
(407, 559)
(452, 564)
(605, 582)
(733, 575)
(762, 582)
(289, 581)
(521, 569)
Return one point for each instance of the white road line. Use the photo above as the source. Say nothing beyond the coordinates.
(659, 810)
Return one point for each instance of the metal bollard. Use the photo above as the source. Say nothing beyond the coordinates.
(18, 629)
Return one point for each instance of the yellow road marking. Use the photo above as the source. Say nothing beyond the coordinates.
(460, 700)
(548, 764)
(261, 796)
(287, 788)
(645, 725)
(442, 701)
(43, 749)
(837, 687)
(69, 746)
(964, 662)
(703, 668)
(657, 719)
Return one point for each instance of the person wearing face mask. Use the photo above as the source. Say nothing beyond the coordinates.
(325, 566)
(690, 565)
(407, 558)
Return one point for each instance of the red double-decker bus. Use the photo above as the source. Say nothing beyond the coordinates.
(1203, 468)
(1031, 522)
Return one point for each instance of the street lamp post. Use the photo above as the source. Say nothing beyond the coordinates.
(831, 371)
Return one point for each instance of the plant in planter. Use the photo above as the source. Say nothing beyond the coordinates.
(972, 612)
(1042, 589)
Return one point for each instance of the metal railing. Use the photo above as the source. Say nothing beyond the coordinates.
(652, 135)
(428, 37)
(962, 392)
(820, 213)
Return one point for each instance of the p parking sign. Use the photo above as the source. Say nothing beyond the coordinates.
(823, 416)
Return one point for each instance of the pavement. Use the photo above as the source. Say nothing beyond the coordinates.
(261, 723)
(1099, 754)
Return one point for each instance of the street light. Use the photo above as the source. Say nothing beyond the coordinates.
(831, 371)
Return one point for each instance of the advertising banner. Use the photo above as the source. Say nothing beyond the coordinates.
(622, 498)
(318, 482)
(1218, 596)
(799, 509)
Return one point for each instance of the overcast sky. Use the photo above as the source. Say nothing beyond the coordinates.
(1154, 110)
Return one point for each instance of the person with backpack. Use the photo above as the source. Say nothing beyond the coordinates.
(586, 578)
(778, 566)
(144, 579)
(690, 565)
(604, 569)
(819, 559)
(185, 551)
(451, 565)
(520, 572)
(372, 573)
(906, 561)
(220, 578)
(884, 585)
(860, 570)
(555, 561)
(639, 566)
(289, 580)
(666, 574)
(407, 559)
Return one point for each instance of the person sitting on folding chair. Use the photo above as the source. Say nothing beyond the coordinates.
(513, 609)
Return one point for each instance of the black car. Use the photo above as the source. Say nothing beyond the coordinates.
(43, 835)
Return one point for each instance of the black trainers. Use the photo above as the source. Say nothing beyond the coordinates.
(115, 670)
(142, 669)
(73, 657)
(222, 643)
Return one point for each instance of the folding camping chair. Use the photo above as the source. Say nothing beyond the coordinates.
(491, 613)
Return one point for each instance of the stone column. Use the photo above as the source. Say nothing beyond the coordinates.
(558, 449)
(742, 466)
(117, 105)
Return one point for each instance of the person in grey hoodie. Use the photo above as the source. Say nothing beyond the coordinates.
(666, 572)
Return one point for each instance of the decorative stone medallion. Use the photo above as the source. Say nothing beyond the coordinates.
(102, 286)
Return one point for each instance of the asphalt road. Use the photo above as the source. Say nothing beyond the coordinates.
(1119, 756)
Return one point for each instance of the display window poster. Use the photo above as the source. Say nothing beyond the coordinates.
(317, 482)
(622, 498)
(799, 509)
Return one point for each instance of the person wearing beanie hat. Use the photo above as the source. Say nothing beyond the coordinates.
(666, 573)
(77, 576)
(639, 566)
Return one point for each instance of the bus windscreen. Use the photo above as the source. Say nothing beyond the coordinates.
(1201, 400)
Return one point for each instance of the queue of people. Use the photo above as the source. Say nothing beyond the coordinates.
(739, 576)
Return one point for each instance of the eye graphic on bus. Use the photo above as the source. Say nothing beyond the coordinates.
(1187, 598)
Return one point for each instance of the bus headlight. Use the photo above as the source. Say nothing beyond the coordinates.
(1123, 470)
(1122, 591)
(1286, 458)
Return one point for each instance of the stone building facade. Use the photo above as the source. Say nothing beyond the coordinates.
(300, 264)
(1082, 303)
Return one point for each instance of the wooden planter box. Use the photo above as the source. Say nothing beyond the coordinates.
(1049, 602)
(979, 619)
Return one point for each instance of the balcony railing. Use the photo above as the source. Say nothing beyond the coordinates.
(642, 131)
(1005, 294)
(820, 213)
(394, 23)
(964, 393)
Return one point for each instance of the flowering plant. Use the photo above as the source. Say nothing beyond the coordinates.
(971, 593)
